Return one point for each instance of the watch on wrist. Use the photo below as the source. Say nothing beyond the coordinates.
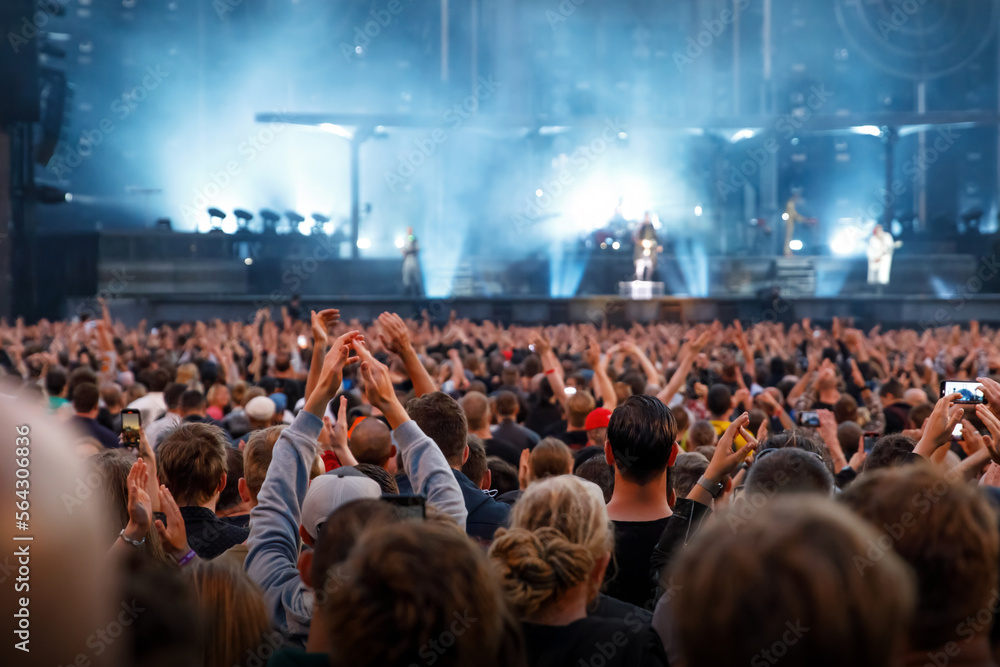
(714, 488)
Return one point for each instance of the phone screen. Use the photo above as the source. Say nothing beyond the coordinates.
(870, 440)
(972, 392)
(131, 423)
(809, 419)
(957, 432)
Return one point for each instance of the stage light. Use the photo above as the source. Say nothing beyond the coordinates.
(319, 223)
(248, 261)
(400, 242)
(243, 218)
(616, 245)
(743, 134)
(539, 192)
(623, 135)
(364, 243)
(339, 130)
(784, 216)
(604, 246)
(216, 214)
(698, 211)
(869, 130)
(48, 194)
(795, 244)
(270, 219)
(844, 242)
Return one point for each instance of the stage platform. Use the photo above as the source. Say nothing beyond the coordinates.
(867, 311)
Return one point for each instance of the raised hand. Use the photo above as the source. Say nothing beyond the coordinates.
(938, 427)
(395, 335)
(322, 322)
(726, 461)
(140, 507)
(378, 388)
(173, 534)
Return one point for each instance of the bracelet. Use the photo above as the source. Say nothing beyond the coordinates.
(129, 540)
(550, 371)
(187, 558)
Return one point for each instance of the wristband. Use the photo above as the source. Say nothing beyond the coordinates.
(714, 488)
(188, 557)
(550, 371)
(129, 540)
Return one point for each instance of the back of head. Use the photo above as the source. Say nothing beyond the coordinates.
(442, 420)
(849, 436)
(920, 412)
(81, 375)
(371, 442)
(915, 396)
(55, 381)
(86, 397)
(477, 410)
(233, 609)
(111, 394)
(257, 458)
(946, 531)
(503, 476)
(701, 434)
(682, 417)
(597, 471)
(890, 450)
(641, 433)
(559, 529)
(230, 496)
(578, 406)
(891, 388)
(788, 470)
(845, 409)
(191, 460)
(192, 402)
(172, 395)
(475, 466)
(158, 379)
(408, 584)
(804, 603)
(386, 482)
(506, 404)
(550, 457)
(688, 468)
(719, 401)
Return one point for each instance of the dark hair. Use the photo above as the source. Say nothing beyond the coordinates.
(81, 375)
(506, 404)
(503, 476)
(172, 394)
(230, 496)
(641, 433)
(475, 466)
(845, 409)
(157, 379)
(688, 468)
(849, 435)
(596, 470)
(891, 386)
(86, 397)
(919, 413)
(191, 460)
(192, 399)
(441, 419)
(789, 470)
(385, 481)
(55, 381)
(719, 401)
(890, 450)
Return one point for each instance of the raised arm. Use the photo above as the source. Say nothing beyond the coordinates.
(395, 337)
(321, 324)
(603, 386)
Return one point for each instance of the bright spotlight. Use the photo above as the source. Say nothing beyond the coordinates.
(698, 211)
(844, 242)
(248, 261)
(743, 134)
(870, 130)
(339, 130)
(795, 244)
(399, 242)
(616, 245)
(539, 192)
(364, 244)
(784, 216)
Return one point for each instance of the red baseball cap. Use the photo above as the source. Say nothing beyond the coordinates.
(598, 418)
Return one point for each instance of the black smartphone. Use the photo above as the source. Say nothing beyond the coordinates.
(870, 439)
(809, 418)
(972, 392)
(408, 506)
(131, 423)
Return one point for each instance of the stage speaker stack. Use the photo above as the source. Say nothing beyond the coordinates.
(19, 28)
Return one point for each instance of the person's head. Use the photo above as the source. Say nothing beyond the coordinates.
(506, 404)
(757, 419)
(849, 436)
(877, 230)
(230, 500)
(891, 391)
(192, 403)
(845, 409)
(475, 466)
(55, 382)
(407, 583)
(371, 442)
(86, 398)
(256, 460)
(557, 547)
(329, 491)
(701, 434)
(788, 470)
(719, 401)
(597, 471)
(260, 411)
(915, 396)
(239, 392)
(920, 412)
(172, 396)
(218, 396)
(578, 407)
(385, 481)
(596, 426)
(477, 411)
(191, 461)
(890, 450)
(792, 568)
(111, 394)
(550, 457)
(233, 610)
(641, 436)
(947, 532)
(503, 476)
(113, 467)
(441, 419)
(509, 377)
(683, 419)
(688, 468)
(81, 375)
(158, 379)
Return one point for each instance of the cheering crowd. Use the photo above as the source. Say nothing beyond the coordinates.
(307, 491)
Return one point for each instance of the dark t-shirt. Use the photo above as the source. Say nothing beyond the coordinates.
(574, 439)
(612, 642)
(504, 450)
(628, 577)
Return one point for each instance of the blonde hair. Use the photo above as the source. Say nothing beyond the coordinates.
(233, 609)
(558, 530)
